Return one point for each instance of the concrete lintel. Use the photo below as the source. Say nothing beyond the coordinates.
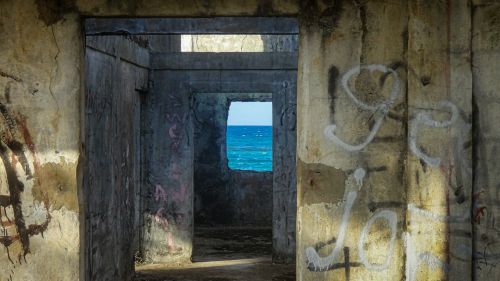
(224, 61)
(119, 46)
(228, 81)
(165, 26)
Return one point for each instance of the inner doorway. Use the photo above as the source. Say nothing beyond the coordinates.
(233, 171)
(143, 93)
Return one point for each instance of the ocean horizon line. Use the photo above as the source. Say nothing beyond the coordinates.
(249, 125)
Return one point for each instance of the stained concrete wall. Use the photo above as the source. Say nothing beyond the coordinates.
(40, 78)
(485, 41)
(384, 142)
(224, 196)
(435, 48)
(168, 171)
(116, 77)
(249, 188)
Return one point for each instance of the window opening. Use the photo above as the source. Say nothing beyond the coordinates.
(250, 136)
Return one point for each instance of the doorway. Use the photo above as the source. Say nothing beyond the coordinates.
(142, 120)
(233, 171)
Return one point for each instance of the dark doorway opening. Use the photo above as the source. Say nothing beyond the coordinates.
(156, 162)
(227, 224)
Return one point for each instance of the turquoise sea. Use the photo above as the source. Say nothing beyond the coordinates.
(250, 147)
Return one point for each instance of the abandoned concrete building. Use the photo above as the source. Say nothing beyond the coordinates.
(114, 118)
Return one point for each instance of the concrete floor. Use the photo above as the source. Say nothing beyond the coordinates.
(225, 254)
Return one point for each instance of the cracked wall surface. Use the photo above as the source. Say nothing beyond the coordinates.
(413, 167)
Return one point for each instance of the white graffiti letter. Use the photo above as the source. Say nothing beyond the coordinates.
(414, 260)
(359, 175)
(392, 219)
(322, 264)
(382, 107)
(424, 118)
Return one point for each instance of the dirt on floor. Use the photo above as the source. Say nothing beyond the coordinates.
(225, 254)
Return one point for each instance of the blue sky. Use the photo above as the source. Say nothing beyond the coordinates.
(250, 113)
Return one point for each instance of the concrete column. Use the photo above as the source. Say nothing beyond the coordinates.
(486, 87)
(439, 167)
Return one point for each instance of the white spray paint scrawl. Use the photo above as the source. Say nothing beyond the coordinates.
(382, 107)
(317, 263)
(424, 118)
(322, 264)
(359, 175)
(414, 259)
(392, 219)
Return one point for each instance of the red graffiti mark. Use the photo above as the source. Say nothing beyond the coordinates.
(160, 193)
(12, 127)
(478, 213)
(6, 223)
(28, 139)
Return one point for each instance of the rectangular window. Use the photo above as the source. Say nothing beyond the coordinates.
(252, 43)
(250, 136)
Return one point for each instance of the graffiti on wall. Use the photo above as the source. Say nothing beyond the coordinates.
(15, 144)
(424, 118)
(167, 216)
(317, 264)
(379, 111)
(172, 193)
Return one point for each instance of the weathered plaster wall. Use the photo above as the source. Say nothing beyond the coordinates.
(40, 86)
(224, 196)
(486, 133)
(384, 142)
(168, 170)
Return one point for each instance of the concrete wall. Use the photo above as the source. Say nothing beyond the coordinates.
(116, 77)
(168, 171)
(249, 188)
(485, 40)
(224, 196)
(384, 142)
(440, 50)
